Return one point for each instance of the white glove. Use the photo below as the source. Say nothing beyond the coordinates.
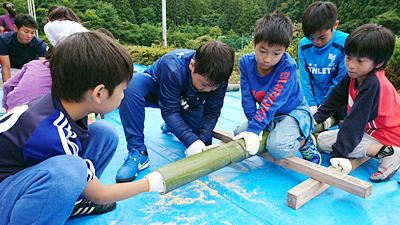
(196, 147)
(251, 140)
(342, 162)
(313, 109)
(156, 182)
(327, 123)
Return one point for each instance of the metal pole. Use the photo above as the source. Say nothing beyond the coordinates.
(164, 22)
(32, 11)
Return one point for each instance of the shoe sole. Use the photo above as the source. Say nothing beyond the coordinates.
(129, 179)
(390, 175)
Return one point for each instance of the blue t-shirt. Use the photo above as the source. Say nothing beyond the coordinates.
(20, 54)
(38, 130)
(275, 93)
(176, 92)
(321, 69)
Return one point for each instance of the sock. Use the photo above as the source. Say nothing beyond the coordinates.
(383, 152)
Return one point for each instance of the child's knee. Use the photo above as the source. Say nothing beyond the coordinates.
(105, 130)
(324, 142)
(69, 168)
(280, 150)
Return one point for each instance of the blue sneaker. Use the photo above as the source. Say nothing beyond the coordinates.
(164, 128)
(310, 151)
(134, 162)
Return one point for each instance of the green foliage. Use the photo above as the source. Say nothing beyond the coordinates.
(148, 55)
(236, 42)
(393, 68)
(389, 19)
(146, 15)
(297, 36)
(195, 44)
(215, 31)
(150, 34)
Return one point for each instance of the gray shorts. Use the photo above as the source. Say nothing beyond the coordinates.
(326, 139)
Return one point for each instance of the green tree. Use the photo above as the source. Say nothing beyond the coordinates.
(390, 20)
(91, 20)
(124, 10)
(146, 15)
(215, 31)
(150, 34)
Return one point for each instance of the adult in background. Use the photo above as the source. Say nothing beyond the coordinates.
(20, 46)
(7, 21)
(62, 22)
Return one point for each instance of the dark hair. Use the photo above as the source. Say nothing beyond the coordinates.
(62, 13)
(83, 61)
(371, 41)
(274, 28)
(10, 8)
(106, 32)
(51, 9)
(25, 20)
(49, 53)
(214, 60)
(319, 16)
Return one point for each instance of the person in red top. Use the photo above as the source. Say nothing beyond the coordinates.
(372, 125)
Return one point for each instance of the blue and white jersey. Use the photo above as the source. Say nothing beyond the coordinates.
(38, 130)
(176, 92)
(321, 69)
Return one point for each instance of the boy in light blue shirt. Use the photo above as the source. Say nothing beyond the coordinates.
(321, 55)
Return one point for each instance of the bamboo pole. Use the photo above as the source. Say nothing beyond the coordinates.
(186, 170)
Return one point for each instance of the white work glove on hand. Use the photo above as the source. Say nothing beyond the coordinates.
(196, 147)
(342, 162)
(313, 109)
(251, 140)
(327, 123)
(156, 182)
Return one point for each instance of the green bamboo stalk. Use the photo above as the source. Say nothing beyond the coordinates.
(320, 127)
(186, 170)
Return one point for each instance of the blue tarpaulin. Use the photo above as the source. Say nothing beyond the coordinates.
(228, 196)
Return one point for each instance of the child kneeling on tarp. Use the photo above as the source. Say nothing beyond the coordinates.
(372, 125)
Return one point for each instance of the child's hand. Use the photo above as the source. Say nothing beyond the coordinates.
(196, 147)
(251, 140)
(156, 182)
(342, 162)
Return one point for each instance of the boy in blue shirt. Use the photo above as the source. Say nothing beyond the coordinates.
(20, 46)
(321, 55)
(268, 77)
(50, 159)
(189, 87)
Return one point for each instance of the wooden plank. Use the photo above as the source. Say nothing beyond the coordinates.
(310, 188)
(222, 135)
(334, 178)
